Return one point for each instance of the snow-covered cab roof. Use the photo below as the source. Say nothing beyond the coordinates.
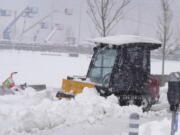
(128, 40)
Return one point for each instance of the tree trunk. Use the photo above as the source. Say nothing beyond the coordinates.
(163, 61)
(164, 53)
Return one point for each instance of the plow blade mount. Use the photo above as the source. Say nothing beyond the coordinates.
(70, 88)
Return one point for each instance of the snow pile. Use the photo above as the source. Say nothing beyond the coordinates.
(30, 113)
(33, 112)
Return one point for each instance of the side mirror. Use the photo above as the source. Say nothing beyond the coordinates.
(173, 95)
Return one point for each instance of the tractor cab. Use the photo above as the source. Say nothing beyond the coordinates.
(120, 65)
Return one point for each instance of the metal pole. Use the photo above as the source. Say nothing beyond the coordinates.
(174, 122)
(134, 124)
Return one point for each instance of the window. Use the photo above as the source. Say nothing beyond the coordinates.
(102, 64)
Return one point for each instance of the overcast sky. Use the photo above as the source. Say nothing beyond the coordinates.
(144, 12)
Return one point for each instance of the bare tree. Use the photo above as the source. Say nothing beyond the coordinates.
(105, 14)
(165, 31)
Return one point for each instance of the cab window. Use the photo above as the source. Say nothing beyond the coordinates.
(102, 65)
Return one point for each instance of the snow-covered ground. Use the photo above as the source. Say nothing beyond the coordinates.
(39, 113)
(40, 68)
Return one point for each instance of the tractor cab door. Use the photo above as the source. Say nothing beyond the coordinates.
(102, 65)
(131, 70)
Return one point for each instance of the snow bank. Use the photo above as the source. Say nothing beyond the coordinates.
(33, 112)
(30, 113)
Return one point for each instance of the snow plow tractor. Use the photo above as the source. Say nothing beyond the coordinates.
(121, 66)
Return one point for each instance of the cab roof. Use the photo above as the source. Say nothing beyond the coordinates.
(120, 40)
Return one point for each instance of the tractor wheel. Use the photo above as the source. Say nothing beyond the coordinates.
(123, 102)
(146, 103)
(138, 102)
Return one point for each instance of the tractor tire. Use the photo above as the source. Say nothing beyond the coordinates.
(138, 102)
(146, 104)
(123, 102)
